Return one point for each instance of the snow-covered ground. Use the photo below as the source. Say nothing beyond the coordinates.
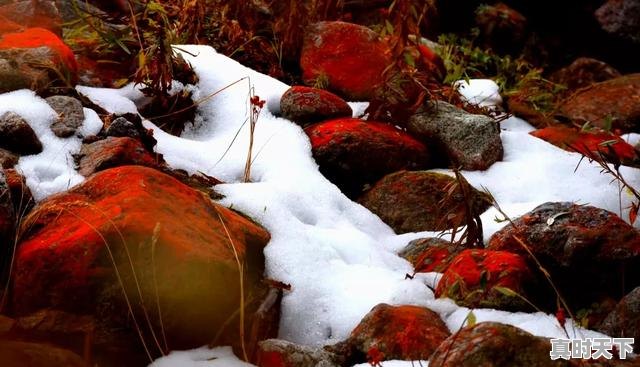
(339, 258)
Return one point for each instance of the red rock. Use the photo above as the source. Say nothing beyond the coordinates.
(583, 72)
(34, 13)
(577, 242)
(349, 57)
(352, 152)
(25, 354)
(587, 142)
(615, 102)
(305, 105)
(113, 152)
(502, 28)
(395, 332)
(416, 201)
(21, 195)
(8, 26)
(478, 279)
(496, 345)
(40, 37)
(182, 246)
(430, 254)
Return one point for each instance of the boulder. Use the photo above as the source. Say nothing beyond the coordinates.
(624, 320)
(17, 136)
(430, 254)
(583, 72)
(35, 59)
(306, 105)
(488, 279)
(349, 59)
(620, 18)
(471, 142)
(34, 13)
(394, 332)
(352, 153)
(113, 152)
(496, 345)
(25, 354)
(502, 28)
(416, 201)
(609, 104)
(281, 353)
(574, 243)
(137, 249)
(589, 143)
(70, 115)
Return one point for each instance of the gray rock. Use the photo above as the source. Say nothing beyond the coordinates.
(17, 70)
(621, 18)
(121, 127)
(7, 159)
(17, 136)
(624, 320)
(70, 115)
(472, 142)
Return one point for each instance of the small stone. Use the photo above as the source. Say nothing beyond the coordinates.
(70, 115)
(17, 136)
(305, 105)
(8, 159)
(121, 127)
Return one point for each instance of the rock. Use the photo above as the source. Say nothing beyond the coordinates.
(34, 13)
(352, 152)
(577, 242)
(23, 354)
(416, 201)
(17, 136)
(305, 105)
(583, 72)
(430, 254)
(624, 320)
(70, 115)
(349, 58)
(7, 224)
(496, 345)
(479, 278)
(471, 142)
(8, 159)
(121, 127)
(21, 195)
(113, 152)
(620, 18)
(609, 104)
(503, 29)
(182, 246)
(394, 332)
(589, 143)
(35, 59)
(281, 353)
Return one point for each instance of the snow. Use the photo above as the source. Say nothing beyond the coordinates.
(483, 92)
(201, 357)
(339, 258)
(52, 170)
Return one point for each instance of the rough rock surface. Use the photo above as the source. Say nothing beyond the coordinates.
(394, 332)
(583, 72)
(471, 142)
(80, 247)
(614, 102)
(415, 201)
(349, 58)
(624, 320)
(352, 153)
(17, 136)
(113, 152)
(306, 105)
(70, 115)
(430, 254)
(488, 279)
(281, 353)
(577, 242)
(621, 18)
